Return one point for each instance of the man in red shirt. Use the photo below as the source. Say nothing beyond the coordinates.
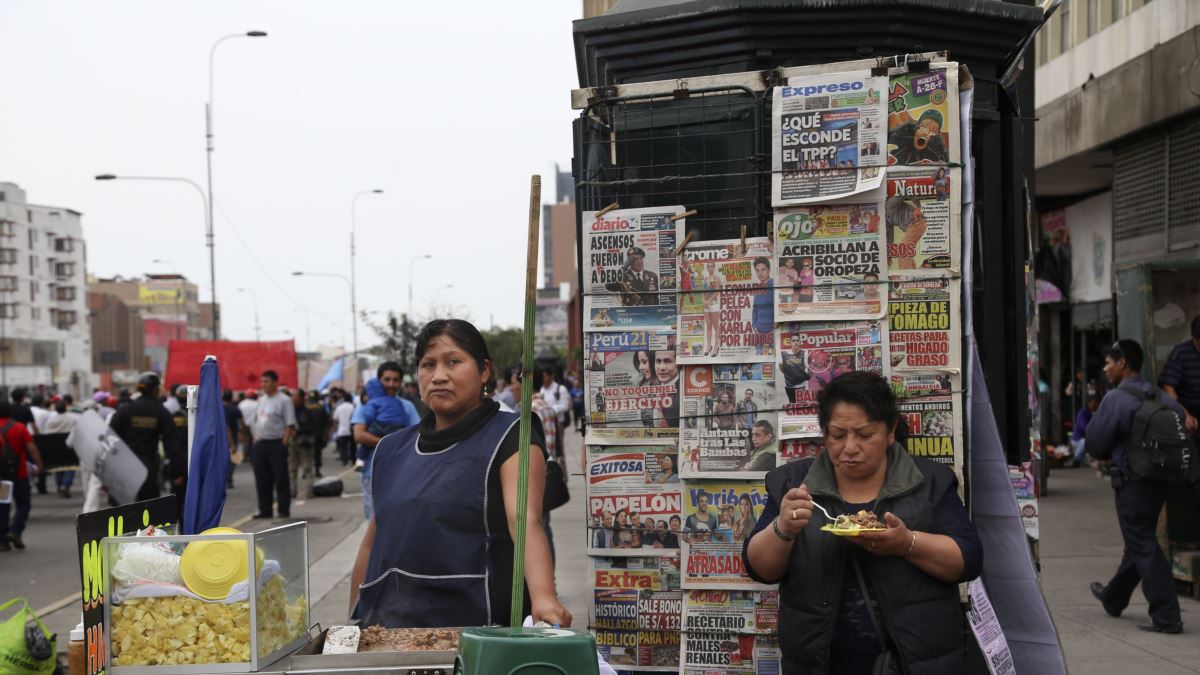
(20, 442)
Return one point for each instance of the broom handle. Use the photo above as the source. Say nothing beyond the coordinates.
(518, 580)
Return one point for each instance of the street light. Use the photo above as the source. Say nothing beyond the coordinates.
(354, 322)
(257, 330)
(353, 273)
(207, 203)
(438, 292)
(411, 265)
(179, 312)
(208, 136)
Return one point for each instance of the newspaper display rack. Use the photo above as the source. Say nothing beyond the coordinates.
(705, 353)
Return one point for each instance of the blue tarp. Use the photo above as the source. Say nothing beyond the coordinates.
(208, 467)
(334, 374)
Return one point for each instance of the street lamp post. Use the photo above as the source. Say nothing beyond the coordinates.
(204, 199)
(254, 298)
(411, 265)
(353, 273)
(350, 285)
(208, 138)
(438, 292)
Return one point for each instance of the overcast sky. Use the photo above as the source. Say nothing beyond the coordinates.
(447, 106)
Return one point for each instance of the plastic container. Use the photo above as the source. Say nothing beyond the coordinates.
(77, 652)
(526, 651)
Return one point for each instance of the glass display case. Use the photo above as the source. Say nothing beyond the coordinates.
(189, 604)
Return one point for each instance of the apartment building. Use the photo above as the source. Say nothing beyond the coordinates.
(45, 336)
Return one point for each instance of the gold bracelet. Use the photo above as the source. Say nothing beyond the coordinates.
(911, 545)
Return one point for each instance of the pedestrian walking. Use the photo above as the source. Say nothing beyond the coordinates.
(318, 420)
(143, 423)
(343, 434)
(1180, 378)
(274, 425)
(233, 429)
(1138, 500)
(176, 448)
(382, 414)
(17, 451)
(556, 394)
(300, 450)
(247, 406)
(62, 421)
(41, 411)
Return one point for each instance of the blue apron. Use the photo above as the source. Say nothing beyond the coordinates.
(430, 565)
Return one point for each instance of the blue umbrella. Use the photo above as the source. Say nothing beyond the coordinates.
(209, 464)
(334, 374)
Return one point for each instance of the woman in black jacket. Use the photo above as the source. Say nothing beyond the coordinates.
(834, 591)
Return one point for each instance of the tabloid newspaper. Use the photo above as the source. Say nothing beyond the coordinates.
(718, 517)
(923, 117)
(729, 654)
(811, 355)
(636, 612)
(629, 256)
(924, 329)
(828, 136)
(729, 420)
(830, 260)
(719, 611)
(632, 387)
(726, 313)
(792, 449)
(922, 213)
(634, 500)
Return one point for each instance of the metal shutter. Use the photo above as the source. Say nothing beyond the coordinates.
(1139, 199)
(1183, 216)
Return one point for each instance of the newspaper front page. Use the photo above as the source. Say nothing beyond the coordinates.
(730, 654)
(725, 310)
(636, 612)
(828, 137)
(830, 260)
(922, 213)
(634, 500)
(629, 269)
(923, 117)
(811, 355)
(729, 421)
(632, 387)
(718, 517)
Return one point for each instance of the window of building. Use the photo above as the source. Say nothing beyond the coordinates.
(1118, 10)
(1042, 47)
(1064, 27)
(66, 269)
(8, 256)
(32, 238)
(32, 264)
(64, 244)
(8, 284)
(64, 319)
(1093, 17)
(8, 310)
(33, 290)
(8, 228)
(29, 215)
(64, 293)
(35, 313)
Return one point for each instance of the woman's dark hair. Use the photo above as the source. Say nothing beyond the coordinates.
(859, 388)
(463, 333)
(637, 364)
(674, 461)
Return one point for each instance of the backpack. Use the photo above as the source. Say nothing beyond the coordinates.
(10, 462)
(1160, 448)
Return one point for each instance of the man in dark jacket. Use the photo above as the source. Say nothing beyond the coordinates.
(1138, 501)
(142, 424)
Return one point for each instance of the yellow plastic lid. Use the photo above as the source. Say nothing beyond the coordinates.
(211, 568)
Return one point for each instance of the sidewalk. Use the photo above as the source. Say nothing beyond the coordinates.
(1081, 543)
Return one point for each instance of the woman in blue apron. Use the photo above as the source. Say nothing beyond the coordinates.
(439, 549)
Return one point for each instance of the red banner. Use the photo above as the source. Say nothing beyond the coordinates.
(242, 363)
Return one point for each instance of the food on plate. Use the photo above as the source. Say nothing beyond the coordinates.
(863, 520)
(380, 639)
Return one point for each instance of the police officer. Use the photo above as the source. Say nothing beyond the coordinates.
(1138, 501)
(176, 449)
(142, 424)
(316, 425)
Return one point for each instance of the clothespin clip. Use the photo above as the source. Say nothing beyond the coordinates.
(685, 214)
(880, 69)
(686, 240)
(743, 239)
(608, 208)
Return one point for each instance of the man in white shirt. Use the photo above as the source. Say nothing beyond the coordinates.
(274, 423)
(557, 395)
(342, 412)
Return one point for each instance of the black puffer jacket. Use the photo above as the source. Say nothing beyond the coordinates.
(920, 613)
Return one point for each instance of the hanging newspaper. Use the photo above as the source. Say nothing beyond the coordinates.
(629, 269)
(635, 612)
(830, 262)
(934, 427)
(924, 331)
(718, 517)
(793, 449)
(922, 213)
(634, 501)
(718, 611)
(730, 654)
(632, 383)
(923, 117)
(811, 355)
(729, 420)
(828, 137)
(726, 313)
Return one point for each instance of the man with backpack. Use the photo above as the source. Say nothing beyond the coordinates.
(1141, 431)
(16, 448)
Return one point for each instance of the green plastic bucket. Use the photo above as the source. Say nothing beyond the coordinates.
(526, 651)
